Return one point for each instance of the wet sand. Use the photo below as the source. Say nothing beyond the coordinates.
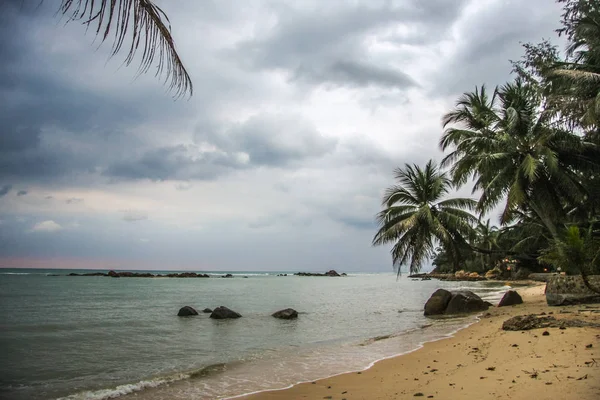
(481, 362)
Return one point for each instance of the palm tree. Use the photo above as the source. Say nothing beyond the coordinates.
(511, 150)
(416, 217)
(576, 81)
(144, 25)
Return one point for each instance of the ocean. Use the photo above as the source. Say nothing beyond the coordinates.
(102, 338)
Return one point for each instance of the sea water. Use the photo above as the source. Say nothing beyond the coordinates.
(100, 338)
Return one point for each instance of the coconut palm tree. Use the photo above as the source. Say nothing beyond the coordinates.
(511, 150)
(576, 80)
(416, 217)
(143, 25)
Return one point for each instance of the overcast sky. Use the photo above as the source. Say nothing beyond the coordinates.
(300, 113)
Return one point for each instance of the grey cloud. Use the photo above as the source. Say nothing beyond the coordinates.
(74, 200)
(356, 73)
(176, 162)
(328, 43)
(4, 190)
(274, 140)
(264, 140)
(22, 192)
(49, 197)
(492, 37)
(183, 186)
(134, 216)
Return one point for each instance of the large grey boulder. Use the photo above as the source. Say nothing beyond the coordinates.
(465, 302)
(438, 302)
(565, 290)
(510, 298)
(288, 313)
(224, 313)
(186, 311)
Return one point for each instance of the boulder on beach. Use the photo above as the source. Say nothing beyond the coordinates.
(567, 290)
(460, 302)
(186, 311)
(113, 274)
(510, 298)
(222, 312)
(207, 311)
(465, 302)
(288, 313)
(438, 302)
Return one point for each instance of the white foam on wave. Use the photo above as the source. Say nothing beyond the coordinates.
(19, 273)
(121, 390)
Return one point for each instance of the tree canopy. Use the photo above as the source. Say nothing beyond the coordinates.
(531, 145)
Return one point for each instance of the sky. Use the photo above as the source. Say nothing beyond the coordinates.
(300, 113)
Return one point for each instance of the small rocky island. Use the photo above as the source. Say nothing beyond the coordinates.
(127, 274)
(328, 273)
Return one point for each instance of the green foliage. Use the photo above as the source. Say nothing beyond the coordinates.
(576, 251)
(416, 216)
(532, 145)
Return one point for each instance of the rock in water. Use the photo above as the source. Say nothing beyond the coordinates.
(186, 311)
(288, 313)
(207, 311)
(113, 274)
(332, 273)
(510, 298)
(438, 302)
(465, 302)
(224, 313)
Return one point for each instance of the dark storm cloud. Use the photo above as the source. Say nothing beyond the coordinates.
(4, 190)
(329, 44)
(47, 122)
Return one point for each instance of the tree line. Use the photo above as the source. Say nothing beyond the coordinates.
(530, 147)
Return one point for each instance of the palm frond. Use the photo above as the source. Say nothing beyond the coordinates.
(148, 28)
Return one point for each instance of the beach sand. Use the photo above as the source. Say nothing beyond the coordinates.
(481, 362)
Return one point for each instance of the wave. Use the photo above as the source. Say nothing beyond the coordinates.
(122, 390)
(23, 273)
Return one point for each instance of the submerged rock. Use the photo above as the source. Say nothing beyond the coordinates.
(222, 312)
(207, 311)
(438, 302)
(288, 313)
(186, 311)
(510, 298)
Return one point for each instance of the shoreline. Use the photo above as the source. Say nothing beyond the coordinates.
(420, 346)
(457, 366)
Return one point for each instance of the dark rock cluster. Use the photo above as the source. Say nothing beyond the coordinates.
(460, 302)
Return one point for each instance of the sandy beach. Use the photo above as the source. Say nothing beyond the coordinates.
(481, 362)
